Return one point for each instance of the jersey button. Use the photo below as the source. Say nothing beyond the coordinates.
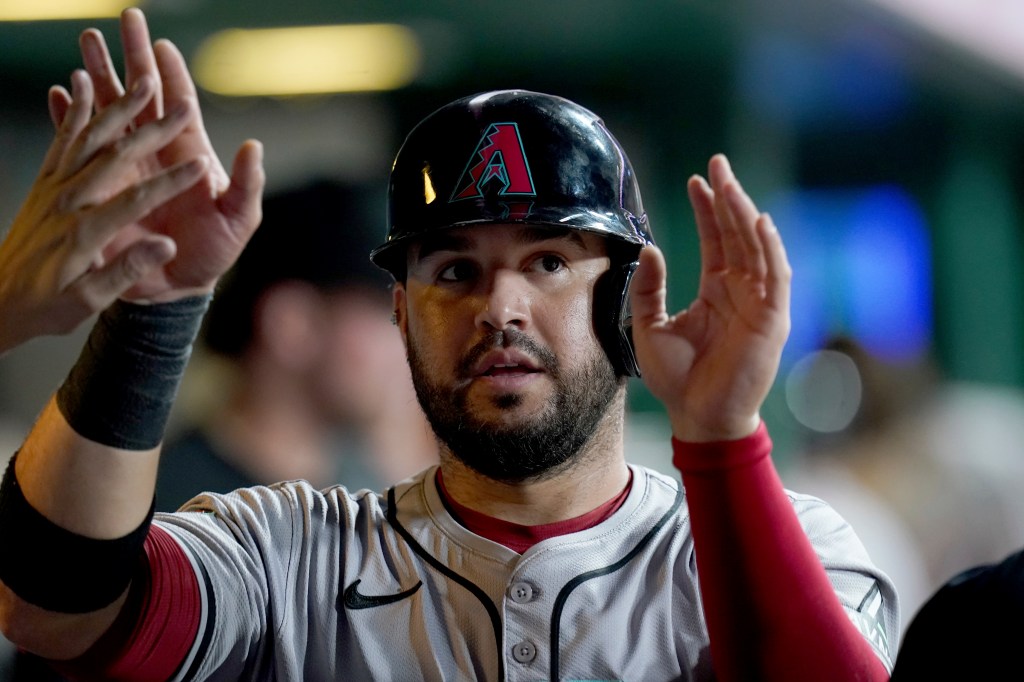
(524, 652)
(521, 593)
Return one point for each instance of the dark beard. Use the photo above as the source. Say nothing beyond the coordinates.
(534, 450)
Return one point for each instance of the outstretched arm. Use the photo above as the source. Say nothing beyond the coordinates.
(131, 202)
(772, 613)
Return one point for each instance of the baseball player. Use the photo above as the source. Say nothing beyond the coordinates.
(527, 290)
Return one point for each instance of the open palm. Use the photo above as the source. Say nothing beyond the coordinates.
(211, 221)
(713, 364)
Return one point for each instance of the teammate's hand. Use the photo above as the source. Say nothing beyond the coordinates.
(54, 269)
(713, 364)
(210, 221)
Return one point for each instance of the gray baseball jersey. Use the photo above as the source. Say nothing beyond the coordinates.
(301, 584)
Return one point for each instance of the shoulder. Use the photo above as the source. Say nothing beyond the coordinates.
(287, 499)
(295, 502)
(976, 619)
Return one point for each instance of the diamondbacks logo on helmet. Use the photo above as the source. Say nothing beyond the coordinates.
(498, 157)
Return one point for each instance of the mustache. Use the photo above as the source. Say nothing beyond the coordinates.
(508, 339)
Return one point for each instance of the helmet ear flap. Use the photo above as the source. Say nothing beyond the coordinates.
(613, 317)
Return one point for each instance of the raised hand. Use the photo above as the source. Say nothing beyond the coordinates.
(55, 269)
(131, 199)
(210, 221)
(713, 364)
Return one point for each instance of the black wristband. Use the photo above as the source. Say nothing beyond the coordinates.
(56, 569)
(120, 391)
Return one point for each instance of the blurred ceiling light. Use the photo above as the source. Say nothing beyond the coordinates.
(992, 29)
(50, 10)
(308, 60)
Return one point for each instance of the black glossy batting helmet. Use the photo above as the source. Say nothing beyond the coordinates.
(515, 156)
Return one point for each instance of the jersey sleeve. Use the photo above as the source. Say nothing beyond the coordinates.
(157, 626)
(772, 611)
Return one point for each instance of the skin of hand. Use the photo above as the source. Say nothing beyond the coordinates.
(713, 364)
(131, 200)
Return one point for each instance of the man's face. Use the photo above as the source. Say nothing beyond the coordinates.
(498, 325)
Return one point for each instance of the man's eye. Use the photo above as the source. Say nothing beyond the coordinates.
(551, 263)
(459, 271)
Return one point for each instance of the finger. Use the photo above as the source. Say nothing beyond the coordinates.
(740, 203)
(75, 118)
(108, 126)
(702, 201)
(176, 80)
(58, 100)
(745, 217)
(177, 86)
(99, 224)
(647, 290)
(779, 273)
(97, 61)
(139, 60)
(733, 250)
(99, 288)
(242, 202)
(739, 215)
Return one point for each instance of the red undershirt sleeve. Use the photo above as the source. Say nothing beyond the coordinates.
(157, 626)
(771, 611)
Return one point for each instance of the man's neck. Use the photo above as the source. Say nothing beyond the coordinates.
(597, 474)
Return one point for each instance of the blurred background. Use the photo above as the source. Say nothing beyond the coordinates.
(886, 137)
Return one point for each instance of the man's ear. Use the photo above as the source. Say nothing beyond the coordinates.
(400, 316)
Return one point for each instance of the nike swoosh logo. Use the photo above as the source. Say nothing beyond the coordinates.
(354, 599)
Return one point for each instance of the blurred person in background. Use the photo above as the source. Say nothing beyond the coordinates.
(928, 471)
(312, 380)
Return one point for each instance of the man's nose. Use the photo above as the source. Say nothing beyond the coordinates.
(505, 301)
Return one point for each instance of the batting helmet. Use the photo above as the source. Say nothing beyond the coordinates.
(515, 156)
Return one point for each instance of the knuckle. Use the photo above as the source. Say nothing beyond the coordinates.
(132, 266)
(77, 230)
(65, 200)
(137, 194)
(64, 134)
(89, 138)
(121, 146)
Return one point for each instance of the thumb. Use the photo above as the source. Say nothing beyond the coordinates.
(242, 200)
(648, 289)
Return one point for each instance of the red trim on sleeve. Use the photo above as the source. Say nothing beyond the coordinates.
(771, 611)
(158, 624)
